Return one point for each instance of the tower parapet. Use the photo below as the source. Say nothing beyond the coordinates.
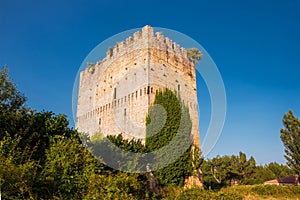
(148, 40)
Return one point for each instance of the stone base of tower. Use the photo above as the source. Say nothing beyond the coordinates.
(194, 181)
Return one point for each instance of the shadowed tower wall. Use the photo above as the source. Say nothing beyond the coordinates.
(115, 93)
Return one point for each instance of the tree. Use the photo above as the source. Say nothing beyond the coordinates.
(228, 170)
(12, 104)
(279, 170)
(290, 136)
(245, 168)
(33, 129)
(217, 172)
(194, 55)
(10, 98)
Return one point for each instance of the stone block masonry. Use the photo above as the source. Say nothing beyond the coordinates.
(115, 93)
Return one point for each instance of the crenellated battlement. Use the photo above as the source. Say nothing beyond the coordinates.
(145, 40)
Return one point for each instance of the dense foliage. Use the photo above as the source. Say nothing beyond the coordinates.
(168, 108)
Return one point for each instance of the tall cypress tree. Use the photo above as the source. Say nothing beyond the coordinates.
(290, 137)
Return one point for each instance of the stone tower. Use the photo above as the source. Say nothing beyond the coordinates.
(115, 93)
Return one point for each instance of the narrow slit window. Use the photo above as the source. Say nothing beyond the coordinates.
(115, 93)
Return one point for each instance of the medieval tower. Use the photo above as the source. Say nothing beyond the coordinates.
(115, 93)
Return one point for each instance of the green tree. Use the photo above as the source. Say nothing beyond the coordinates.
(34, 129)
(217, 172)
(279, 170)
(194, 55)
(226, 170)
(245, 168)
(12, 104)
(290, 136)
(268, 172)
(262, 174)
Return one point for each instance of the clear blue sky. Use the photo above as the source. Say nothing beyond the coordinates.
(255, 44)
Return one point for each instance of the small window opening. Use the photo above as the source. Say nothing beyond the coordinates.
(115, 93)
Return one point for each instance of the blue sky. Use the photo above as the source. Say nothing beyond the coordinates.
(255, 45)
